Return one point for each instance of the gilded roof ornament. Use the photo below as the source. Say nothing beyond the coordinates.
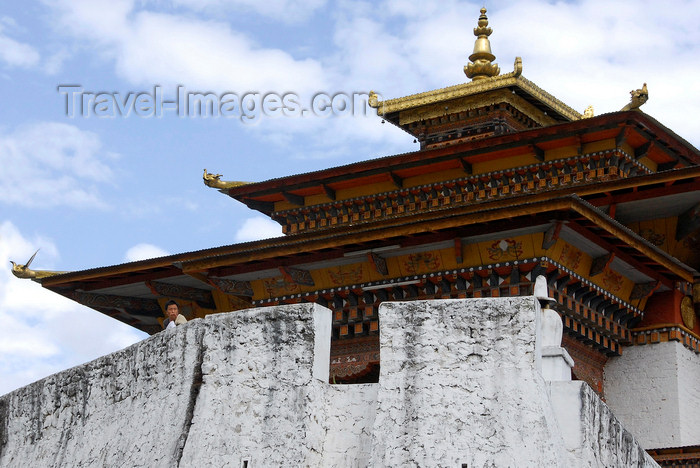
(482, 58)
(639, 97)
(373, 100)
(518, 67)
(24, 272)
(588, 113)
(214, 181)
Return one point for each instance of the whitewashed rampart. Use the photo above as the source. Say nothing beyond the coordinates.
(459, 385)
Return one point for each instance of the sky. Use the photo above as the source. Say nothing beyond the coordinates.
(101, 159)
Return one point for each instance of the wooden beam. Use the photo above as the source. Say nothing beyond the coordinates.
(621, 255)
(261, 206)
(643, 150)
(398, 181)
(621, 137)
(458, 250)
(661, 147)
(125, 278)
(467, 167)
(688, 222)
(500, 212)
(643, 193)
(329, 192)
(644, 290)
(130, 305)
(537, 151)
(551, 235)
(293, 199)
(379, 263)
(666, 166)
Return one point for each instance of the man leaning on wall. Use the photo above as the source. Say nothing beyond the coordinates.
(172, 310)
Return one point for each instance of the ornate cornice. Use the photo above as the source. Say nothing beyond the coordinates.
(661, 333)
(508, 80)
(473, 102)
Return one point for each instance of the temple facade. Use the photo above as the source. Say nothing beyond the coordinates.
(509, 184)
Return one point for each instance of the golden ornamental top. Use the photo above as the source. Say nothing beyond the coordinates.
(482, 58)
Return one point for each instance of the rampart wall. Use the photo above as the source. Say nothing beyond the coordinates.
(460, 385)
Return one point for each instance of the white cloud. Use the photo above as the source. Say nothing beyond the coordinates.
(151, 47)
(14, 53)
(43, 332)
(144, 251)
(290, 11)
(257, 228)
(52, 164)
(54, 62)
(587, 52)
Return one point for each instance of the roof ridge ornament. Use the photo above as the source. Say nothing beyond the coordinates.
(24, 272)
(638, 98)
(482, 58)
(214, 181)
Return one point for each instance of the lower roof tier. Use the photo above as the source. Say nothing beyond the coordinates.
(610, 280)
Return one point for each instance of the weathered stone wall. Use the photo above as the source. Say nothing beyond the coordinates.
(459, 385)
(260, 399)
(351, 412)
(592, 434)
(129, 408)
(653, 389)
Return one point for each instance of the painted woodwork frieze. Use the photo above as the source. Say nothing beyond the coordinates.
(346, 274)
(200, 296)
(654, 238)
(237, 288)
(485, 186)
(133, 305)
(613, 281)
(279, 286)
(297, 276)
(422, 262)
(505, 249)
(570, 256)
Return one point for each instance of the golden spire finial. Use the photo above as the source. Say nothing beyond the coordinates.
(481, 66)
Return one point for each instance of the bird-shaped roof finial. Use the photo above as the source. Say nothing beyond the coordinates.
(23, 271)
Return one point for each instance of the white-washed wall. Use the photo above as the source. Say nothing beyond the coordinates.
(126, 409)
(459, 385)
(653, 389)
(592, 434)
(259, 400)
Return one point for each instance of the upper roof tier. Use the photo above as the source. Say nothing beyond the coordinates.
(574, 157)
(492, 104)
